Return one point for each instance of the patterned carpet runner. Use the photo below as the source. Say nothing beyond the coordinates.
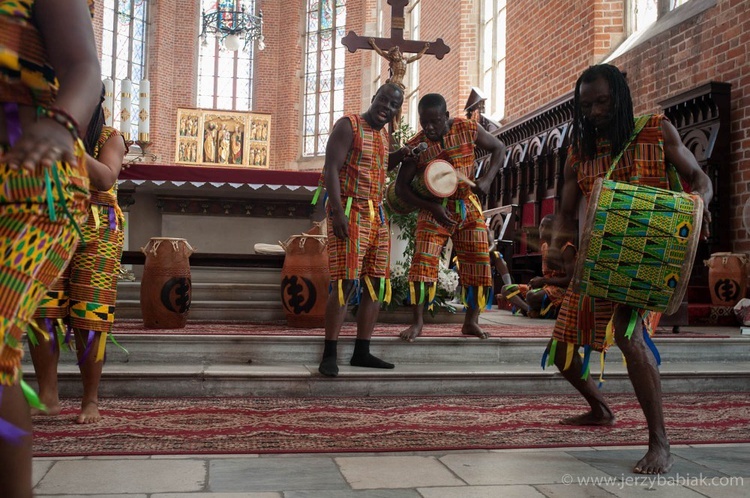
(148, 426)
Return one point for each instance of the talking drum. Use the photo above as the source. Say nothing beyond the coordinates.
(436, 180)
(305, 280)
(166, 287)
(638, 245)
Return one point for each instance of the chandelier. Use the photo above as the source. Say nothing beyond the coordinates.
(235, 29)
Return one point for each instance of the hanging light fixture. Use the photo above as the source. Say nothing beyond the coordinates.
(236, 29)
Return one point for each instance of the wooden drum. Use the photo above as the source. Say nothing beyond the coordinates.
(437, 180)
(166, 286)
(638, 245)
(305, 280)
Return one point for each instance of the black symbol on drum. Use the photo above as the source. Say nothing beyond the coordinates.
(727, 289)
(175, 295)
(301, 292)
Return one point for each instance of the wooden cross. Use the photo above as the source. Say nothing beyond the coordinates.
(352, 41)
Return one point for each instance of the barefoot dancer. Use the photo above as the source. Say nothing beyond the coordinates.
(458, 217)
(603, 124)
(85, 296)
(358, 233)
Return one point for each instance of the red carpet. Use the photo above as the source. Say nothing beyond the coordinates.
(147, 426)
(349, 329)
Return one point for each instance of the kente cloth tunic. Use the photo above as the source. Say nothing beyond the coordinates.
(469, 234)
(38, 216)
(583, 320)
(366, 252)
(86, 293)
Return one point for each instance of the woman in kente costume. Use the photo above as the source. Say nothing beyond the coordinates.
(50, 79)
(86, 294)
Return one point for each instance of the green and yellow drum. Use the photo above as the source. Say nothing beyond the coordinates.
(436, 180)
(639, 245)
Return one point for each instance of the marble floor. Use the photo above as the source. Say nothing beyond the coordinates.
(704, 470)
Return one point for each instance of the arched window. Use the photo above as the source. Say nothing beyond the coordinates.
(492, 60)
(225, 77)
(324, 72)
(124, 48)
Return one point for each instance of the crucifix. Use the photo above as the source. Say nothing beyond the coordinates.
(392, 48)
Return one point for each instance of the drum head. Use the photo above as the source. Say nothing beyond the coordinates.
(440, 178)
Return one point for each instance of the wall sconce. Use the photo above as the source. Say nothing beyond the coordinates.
(236, 29)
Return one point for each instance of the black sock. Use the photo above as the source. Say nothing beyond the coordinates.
(363, 358)
(328, 365)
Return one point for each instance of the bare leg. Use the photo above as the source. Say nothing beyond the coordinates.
(45, 359)
(644, 375)
(15, 459)
(471, 324)
(600, 413)
(91, 374)
(516, 300)
(367, 315)
(415, 329)
(335, 315)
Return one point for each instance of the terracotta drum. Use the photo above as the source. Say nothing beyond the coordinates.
(727, 277)
(166, 287)
(305, 279)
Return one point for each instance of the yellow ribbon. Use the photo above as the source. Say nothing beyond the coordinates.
(95, 214)
(101, 346)
(370, 288)
(341, 293)
(388, 292)
(372, 209)
(569, 355)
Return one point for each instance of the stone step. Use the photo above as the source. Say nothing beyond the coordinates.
(168, 349)
(303, 379)
(260, 311)
(229, 291)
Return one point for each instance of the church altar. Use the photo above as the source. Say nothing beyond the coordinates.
(218, 210)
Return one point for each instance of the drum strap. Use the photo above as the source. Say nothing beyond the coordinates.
(640, 123)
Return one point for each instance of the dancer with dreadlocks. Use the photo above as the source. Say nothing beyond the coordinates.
(85, 295)
(603, 126)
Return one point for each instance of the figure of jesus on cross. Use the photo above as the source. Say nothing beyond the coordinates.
(394, 48)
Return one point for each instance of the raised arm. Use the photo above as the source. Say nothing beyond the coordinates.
(688, 168)
(419, 54)
(377, 49)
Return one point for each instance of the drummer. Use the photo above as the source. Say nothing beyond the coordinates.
(603, 125)
(458, 216)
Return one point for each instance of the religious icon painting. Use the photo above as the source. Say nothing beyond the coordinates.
(188, 150)
(222, 138)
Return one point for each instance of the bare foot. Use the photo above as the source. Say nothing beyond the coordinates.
(605, 419)
(411, 333)
(475, 330)
(89, 413)
(52, 406)
(656, 461)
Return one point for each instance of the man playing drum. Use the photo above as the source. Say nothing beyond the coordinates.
(358, 233)
(458, 216)
(542, 296)
(603, 126)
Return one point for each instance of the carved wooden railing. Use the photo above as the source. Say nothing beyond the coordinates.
(537, 146)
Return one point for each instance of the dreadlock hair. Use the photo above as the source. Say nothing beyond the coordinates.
(95, 127)
(621, 127)
(433, 101)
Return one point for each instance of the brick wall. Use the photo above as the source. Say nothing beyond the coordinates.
(548, 45)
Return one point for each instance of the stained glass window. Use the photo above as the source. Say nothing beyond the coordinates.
(324, 72)
(124, 48)
(225, 77)
(492, 58)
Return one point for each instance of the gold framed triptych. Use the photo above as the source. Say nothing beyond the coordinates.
(207, 137)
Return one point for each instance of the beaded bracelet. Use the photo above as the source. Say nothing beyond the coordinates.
(61, 117)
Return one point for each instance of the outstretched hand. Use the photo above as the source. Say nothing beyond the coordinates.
(340, 225)
(43, 143)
